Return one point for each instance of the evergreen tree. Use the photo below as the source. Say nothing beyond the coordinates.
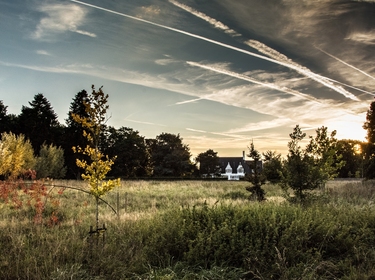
(256, 176)
(39, 123)
(5, 119)
(73, 135)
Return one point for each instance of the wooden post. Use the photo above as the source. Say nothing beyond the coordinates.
(104, 230)
(118, 205)
(126, 202)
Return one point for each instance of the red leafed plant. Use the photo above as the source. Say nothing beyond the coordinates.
(26, 192)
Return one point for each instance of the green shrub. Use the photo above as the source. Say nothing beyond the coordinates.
(266, 239)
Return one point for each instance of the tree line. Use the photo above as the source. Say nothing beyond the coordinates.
(49, 143)
(49, 146)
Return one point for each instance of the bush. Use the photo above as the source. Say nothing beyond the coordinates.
(263, 240)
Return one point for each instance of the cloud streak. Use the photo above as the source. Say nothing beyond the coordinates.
(347, 64)
(212, 21)
(262, 125)
(276, 56)
(142, 122)
(254, 81)
(302, 70)
(43, 52)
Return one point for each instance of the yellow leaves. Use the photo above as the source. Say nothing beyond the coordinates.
(95, 172)
(103, 187)
(16, 155)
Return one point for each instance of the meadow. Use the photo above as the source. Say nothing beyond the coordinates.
(193, 230)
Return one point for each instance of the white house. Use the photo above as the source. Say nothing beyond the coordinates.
(234, 176)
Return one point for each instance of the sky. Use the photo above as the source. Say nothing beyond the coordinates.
(219, 73)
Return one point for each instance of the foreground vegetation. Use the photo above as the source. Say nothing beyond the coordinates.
(195, 230)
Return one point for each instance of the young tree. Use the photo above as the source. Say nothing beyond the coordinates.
(50, 162)
(16, 155)
(272, 166)
(310, 168)
(297, 170)
(208, 162)
(256, 177)
(96, 169)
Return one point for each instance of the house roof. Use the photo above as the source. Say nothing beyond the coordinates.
(235, 162)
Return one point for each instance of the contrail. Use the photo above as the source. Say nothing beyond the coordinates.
(347, 64)
(358, 89)
(212, 21)
(148, 123)
(247, 78)
(305, 72)
(188, 101)
(272, 53)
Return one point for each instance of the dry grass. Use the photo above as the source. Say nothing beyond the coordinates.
(139, 202)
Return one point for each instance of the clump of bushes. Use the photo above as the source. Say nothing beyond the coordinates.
(279, 242)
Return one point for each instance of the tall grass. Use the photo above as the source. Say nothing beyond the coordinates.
(195, 230)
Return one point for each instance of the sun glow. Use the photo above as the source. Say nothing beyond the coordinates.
(349, 128)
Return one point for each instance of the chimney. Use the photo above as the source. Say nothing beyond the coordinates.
(243, 155)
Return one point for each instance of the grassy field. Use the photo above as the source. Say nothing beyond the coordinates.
(192, 230)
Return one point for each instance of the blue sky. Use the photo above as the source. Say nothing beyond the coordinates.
(220, 73)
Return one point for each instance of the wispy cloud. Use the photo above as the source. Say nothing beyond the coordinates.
(347, 64)
(196, 130)
(363, 37)
(58, 19)
(147, 123)
(250, 96)
(302, 70)
(252, 80)
(56, 69)
(43, 52)
(212, 21)
(262, 125)
(188, 101)
(165, 61)
(93, 35)
(275, 56)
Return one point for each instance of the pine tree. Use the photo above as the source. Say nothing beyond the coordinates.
(256, 176)
(73, 135)
(39, 117)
